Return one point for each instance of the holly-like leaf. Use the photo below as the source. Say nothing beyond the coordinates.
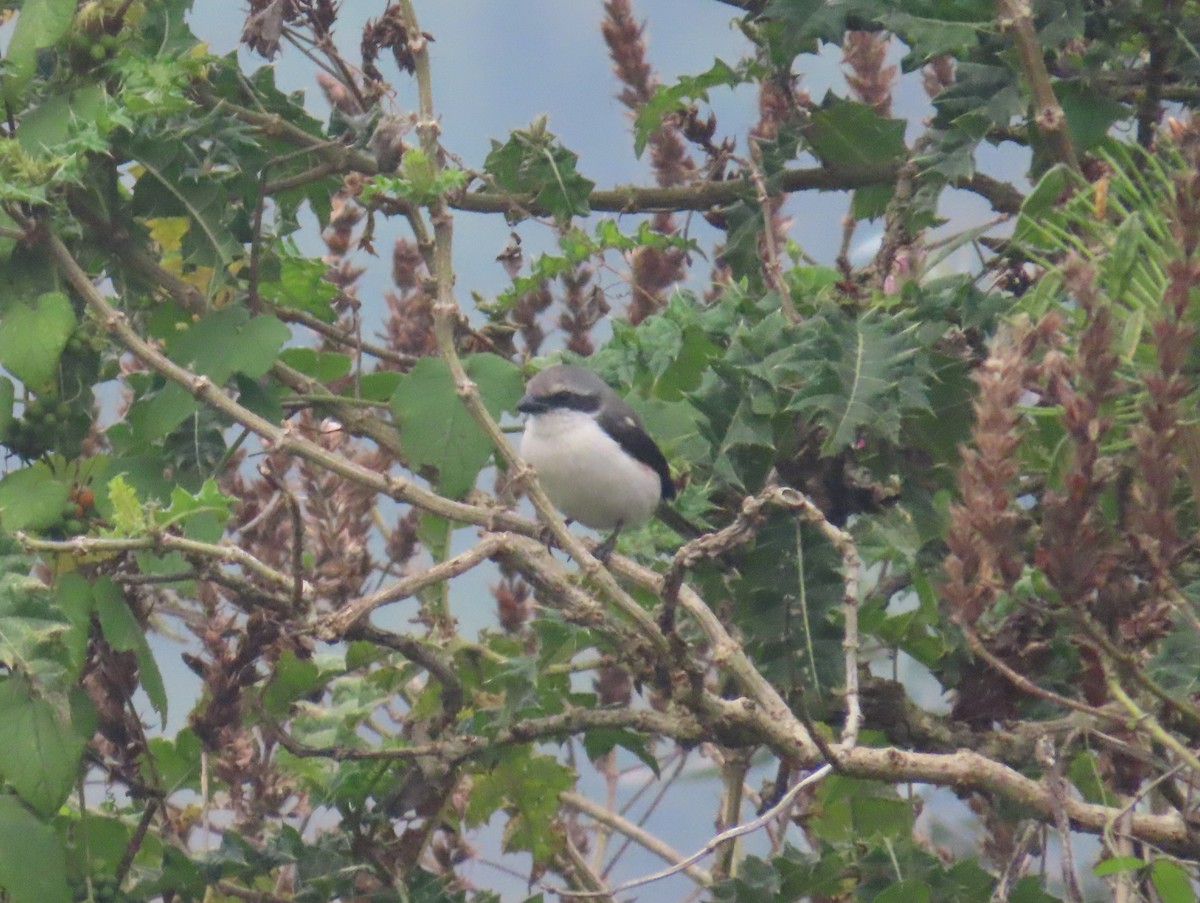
(39, 750)
(600, 741)
(33, 336)
(436, 430)
(947, 29)
(848, 133)
(865, 379)
(302, 286)
(185, 505)
(33, 865)
(1089, 114)
(670, 98)
(46, 128)
(527, 786)
(172, 186)
(532, 162)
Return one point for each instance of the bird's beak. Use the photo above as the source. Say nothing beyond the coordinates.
(531, 404)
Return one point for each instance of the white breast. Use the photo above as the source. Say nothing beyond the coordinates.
(587, 475)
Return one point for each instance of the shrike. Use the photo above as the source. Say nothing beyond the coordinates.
(596, 462)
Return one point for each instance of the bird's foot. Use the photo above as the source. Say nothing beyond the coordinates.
(604, 551)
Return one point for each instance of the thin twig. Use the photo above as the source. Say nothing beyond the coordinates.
(636, 834)
(712, 845)
(1052, 769)
(297, 517)
(1023, 683)
(771, 268)
(335, 625)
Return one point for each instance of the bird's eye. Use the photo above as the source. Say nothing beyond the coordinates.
(561, 399)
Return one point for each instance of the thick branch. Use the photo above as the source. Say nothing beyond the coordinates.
(623, 198)
(1016, 17)
(456, 750)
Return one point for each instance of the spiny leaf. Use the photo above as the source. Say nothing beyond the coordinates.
(533, 162)
(669, 98)
(866, 378)
(845, 133)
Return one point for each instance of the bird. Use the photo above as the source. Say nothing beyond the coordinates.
(592, 455)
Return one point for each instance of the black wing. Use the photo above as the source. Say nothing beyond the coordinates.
(623, 425)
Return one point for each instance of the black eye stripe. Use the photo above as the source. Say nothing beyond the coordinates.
(575, 401)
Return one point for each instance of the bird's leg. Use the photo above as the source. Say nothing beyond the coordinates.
(605, 549)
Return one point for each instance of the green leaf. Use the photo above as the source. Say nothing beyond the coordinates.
(32, 499)
(1090, 114)
(847, 133)
(864, 381)
(291, 679)
(32, 338)
(122, 631)
(157, 414)
(599, 741)
(324, 366)
(173, 185)
(1048, 192)
(913, 890)
(1117, 864)
(378, 386)
(1171, 882)
(302, 285)
(47, 127)
(436, 431)
(230, 341)
(129, 515)
(527, 786)
(931, 35)
(31, 628)
(418, 181)
(73, 594)
(186, 506)
(533, 162)
(670, 98)
(40, 24)
(1029, 890)
(39, 751)
(33, 866)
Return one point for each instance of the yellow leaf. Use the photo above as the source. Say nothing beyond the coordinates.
(168, 231)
